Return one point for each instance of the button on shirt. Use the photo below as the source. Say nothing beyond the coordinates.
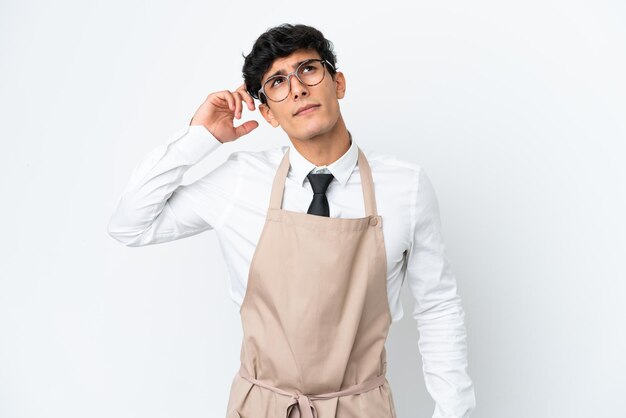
(233, 198)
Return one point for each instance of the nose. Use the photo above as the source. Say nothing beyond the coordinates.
(297, 87)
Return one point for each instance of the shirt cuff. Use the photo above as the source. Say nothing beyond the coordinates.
(196, 142)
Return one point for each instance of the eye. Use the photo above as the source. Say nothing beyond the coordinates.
(275, 80)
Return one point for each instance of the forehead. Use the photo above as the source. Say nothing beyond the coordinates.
(289, 63)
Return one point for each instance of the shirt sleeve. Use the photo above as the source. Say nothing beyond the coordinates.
(438, 311)
(155, 208)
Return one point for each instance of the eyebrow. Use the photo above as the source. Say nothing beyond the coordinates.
(281, 72)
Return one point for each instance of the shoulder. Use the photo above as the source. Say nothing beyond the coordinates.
(259, 160)
(390, 165)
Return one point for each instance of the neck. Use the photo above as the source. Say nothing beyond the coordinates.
(325, 148)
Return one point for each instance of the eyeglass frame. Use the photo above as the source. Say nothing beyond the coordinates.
(262, 89)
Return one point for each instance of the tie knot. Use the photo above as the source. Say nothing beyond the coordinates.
(319, 182)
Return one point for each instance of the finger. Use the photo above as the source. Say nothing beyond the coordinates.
(249, 99)
(246, 128)
(226, 95)
(238, 100)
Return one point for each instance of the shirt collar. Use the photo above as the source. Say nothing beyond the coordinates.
(340, 168)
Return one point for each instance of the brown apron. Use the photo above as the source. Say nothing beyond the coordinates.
(315, 315)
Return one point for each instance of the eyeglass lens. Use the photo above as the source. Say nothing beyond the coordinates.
(310, 73)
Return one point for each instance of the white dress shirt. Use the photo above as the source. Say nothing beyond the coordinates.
(233, 199)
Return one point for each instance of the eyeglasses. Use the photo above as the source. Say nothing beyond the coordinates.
(310, 72)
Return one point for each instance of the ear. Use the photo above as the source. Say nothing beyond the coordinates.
(340, 84)
(268, 115)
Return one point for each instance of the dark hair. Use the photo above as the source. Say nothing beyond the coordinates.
(282, 41)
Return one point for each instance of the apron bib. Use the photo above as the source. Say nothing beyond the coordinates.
(315, 315)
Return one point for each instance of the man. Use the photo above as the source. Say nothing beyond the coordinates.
(317, 238)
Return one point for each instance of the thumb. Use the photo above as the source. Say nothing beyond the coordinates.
(246, 128)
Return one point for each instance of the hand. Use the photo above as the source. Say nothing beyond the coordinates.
(218, 111)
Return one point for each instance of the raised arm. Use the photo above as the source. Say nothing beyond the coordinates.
(154, 207)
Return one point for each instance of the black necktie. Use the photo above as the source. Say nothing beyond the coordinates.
(319, 184)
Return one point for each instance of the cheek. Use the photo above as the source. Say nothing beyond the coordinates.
(331, 109)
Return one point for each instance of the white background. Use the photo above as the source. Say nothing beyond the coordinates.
(517, 110)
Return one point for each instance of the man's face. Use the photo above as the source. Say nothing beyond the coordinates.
(325, 94)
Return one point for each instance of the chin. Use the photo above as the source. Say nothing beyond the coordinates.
(312, 132)
(313, 127)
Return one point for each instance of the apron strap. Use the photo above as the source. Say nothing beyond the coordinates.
(305, 402)
(367, 184)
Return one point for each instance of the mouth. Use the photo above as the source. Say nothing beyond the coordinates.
(307, 110)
